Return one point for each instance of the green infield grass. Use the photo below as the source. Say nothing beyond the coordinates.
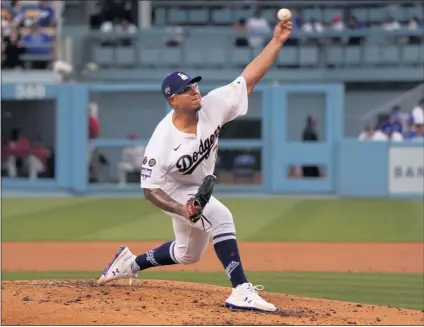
(260, 219)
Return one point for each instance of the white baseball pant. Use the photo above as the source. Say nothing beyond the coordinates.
(191, 240)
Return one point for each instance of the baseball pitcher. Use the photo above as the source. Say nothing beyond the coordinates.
(177, 176)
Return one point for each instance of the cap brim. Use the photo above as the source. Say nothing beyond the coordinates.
(196, 79)
(193, 80)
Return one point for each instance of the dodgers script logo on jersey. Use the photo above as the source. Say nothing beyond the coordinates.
(187, 163)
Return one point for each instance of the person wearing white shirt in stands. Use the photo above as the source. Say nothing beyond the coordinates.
(418, 117)
(366, 134)
(313, 26)
(391, 24)
(132, 160)
(258, 28)
(392, 134)
(337, 24)
(379, 136)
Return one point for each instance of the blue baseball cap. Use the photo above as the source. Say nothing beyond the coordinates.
(176, 81)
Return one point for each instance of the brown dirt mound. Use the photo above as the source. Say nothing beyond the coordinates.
(174, 303)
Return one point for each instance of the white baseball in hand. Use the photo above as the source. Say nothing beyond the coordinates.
(284, 14)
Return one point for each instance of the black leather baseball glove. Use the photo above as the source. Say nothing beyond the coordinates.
(198, 201)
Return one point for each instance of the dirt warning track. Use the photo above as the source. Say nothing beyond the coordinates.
(256, 256)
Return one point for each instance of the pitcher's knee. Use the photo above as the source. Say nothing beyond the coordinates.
(223, 232)
(187, 258)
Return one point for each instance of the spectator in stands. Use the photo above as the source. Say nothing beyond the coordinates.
(313, 26)
(93, 133)
(13, 48)
(378, 135)
(337, 25)
(125, 26)
(6, 23)
(5, 153)
(38, 158)
(418, 117)
(310, 135)
(258, 28)
(296, 20)
(21, 17)
(96, 17)
(132, 160)
(410, 128)
(39, 44)
(93, 123)
(396, 119)
(174, 35)
(18, 149)
(414, 24)
(353, 24)
(46, 16)
(244, 168)
(241, 26)
(391, 134)
(390, 24)
(366, 134)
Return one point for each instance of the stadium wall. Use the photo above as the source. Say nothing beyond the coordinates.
(352, 168)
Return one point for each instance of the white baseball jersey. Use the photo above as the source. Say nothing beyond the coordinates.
(175, 161)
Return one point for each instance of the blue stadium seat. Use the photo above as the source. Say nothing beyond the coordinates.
(308, 56)
(372, 54)
(243, 13)
(360, 14)
(126, 56)
(289, 56)
(198, 16)
(160, 16)
(390, 54)
(411, 54)
(270, 15)
(312, 13)
(399, 15)
(218, 56)
(416, 11)
(103, 55)
(257, 51)
(197, 40)
(241, 56)
(352, 55)
(375, 36)
(150, 57)
(206, 57)
(171, 56)
(222, 16)
(378, 14)
(178, 16)
(334, 55)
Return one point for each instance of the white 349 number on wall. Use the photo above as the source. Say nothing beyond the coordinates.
(30, 91)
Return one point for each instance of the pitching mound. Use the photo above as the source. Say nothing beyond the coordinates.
(174, 303)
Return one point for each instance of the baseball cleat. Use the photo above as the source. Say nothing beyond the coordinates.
(245, 297)
(120, 267)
